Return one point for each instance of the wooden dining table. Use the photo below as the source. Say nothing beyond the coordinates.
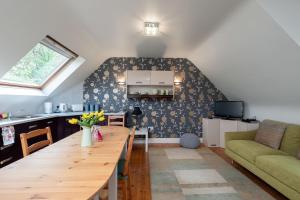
(65, 170)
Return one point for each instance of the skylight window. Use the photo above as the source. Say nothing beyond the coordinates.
(39, 64)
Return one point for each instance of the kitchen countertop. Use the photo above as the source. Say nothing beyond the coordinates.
(37, 117)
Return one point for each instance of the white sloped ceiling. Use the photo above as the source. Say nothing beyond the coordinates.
(286, 14)
(23, 25)
(250, 57)
(247, 48)
(99, 29)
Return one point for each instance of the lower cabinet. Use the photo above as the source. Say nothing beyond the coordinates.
(52, 124)
(9, 154)
(13, 152)
(60, 128)
(214, 130)
(211, 132)
(64, 129)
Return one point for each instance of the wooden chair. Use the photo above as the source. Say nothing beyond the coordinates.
(38, 145)
(123, 172)
(123, 169)
(116, 120)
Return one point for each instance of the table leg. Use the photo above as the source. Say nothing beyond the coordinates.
(113, 185)
(124, 152)
(96, 197)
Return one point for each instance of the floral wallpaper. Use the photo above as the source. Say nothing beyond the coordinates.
(170, 118)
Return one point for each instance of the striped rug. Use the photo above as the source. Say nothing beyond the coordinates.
(188, 174)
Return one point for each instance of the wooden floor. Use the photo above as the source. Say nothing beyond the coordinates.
(140, 174)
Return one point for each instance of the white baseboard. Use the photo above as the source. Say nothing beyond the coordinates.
(161, 141)
(164, 140)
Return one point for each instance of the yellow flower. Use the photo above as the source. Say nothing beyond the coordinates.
(90, 115)
(101, 119)
(73, 121)
(84, 116)
(101, 114)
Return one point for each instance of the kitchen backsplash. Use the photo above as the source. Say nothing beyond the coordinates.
(194, 98)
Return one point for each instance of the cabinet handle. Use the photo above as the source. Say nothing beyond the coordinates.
(5, 147)
(138, 82)
(32, 126)
(162, 82)
(2, 162)
(50, 122)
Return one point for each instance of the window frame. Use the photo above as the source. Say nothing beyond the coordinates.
(53, 74)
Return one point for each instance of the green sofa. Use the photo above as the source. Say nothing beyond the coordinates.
(279, 168)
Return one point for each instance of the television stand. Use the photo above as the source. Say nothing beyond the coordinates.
(214, 130)
(227, 118)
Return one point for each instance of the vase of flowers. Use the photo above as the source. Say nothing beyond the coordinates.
(86, 121)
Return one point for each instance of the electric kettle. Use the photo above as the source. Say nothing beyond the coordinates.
(62, 107)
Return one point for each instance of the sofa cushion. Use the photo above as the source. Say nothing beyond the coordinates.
(291, 140)
(249, 149)
(285, 169)
(270, 133)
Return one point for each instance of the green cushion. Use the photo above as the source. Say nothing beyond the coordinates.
(121, 165)
(285, 169)
(249, 149)
(291, 140)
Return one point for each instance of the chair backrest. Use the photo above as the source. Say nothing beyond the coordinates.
(129, 150)
(38, 145)
(116, 120)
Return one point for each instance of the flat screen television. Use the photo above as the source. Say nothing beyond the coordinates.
(229, 109)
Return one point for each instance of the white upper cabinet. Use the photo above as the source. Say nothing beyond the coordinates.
(162, 77)
(141, 77)
(144, 77)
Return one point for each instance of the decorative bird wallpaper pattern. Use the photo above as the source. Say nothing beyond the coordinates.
(170, 118)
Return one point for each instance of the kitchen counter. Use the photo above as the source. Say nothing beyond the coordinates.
(37, 117)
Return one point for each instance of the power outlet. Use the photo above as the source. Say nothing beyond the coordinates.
(150, 128)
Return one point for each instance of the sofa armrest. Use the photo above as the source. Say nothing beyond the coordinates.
(241, 135)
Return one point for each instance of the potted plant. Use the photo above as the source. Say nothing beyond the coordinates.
(87, 120)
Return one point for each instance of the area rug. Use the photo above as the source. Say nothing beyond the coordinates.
(188, 174)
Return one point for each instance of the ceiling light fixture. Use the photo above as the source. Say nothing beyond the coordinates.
(151, 28)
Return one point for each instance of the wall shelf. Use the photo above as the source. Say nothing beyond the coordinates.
(154, 96)
(150, 84)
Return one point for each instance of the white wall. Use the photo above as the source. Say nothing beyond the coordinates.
(72, 95)
(285, 113)
(251, 58)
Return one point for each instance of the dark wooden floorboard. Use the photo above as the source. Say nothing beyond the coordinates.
(140, 173)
